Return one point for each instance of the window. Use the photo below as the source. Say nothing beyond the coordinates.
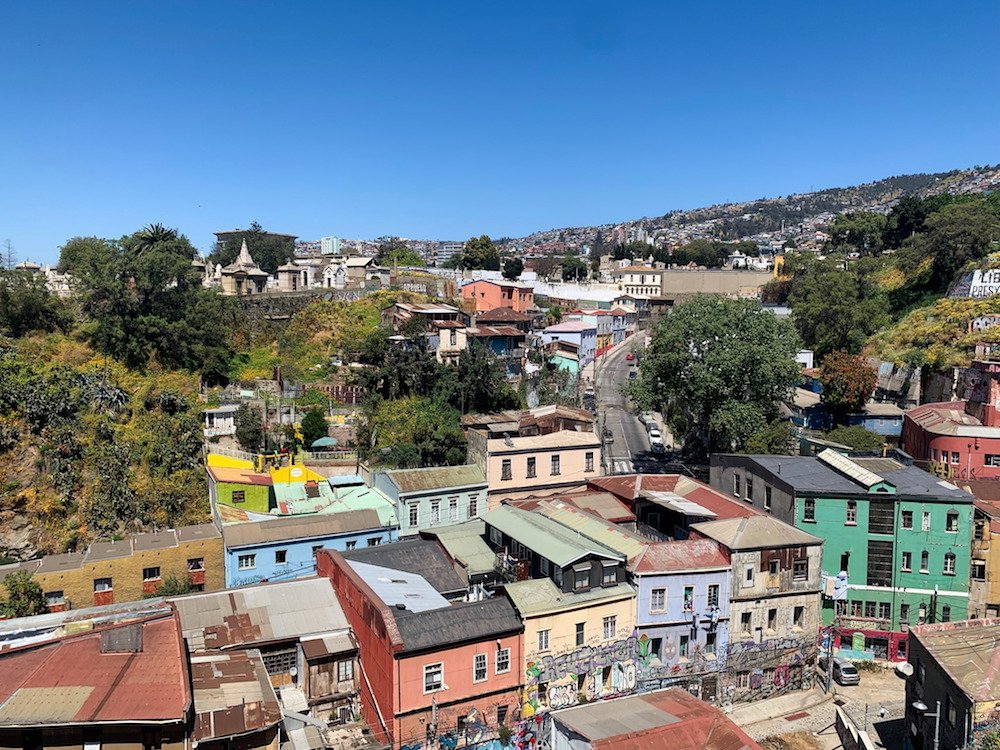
(557, 576)
(505, 470)
(978, 532)
(610, 575)
(907, 561)
(435, 511)
(773, 566)
(453, 509)
(904, 614)
(682, 646)
(712, 600)
(748, 576)
(473, 507)
(280, 556)
(883, 611)
(610, 627)
(52, 598)
(955, 457)
(951, 521)
(809, 511)
(946, 613)
(870, 609)
(453, 338)
(479, 668)
(852, 513)
(351, 545)
(151, 574)
(925, 521)
(798, 617)
(195, 564)
(588, 461)
(280, 662)
(925, 562)
(496, 536)
(736, 485)
(978, 570)
(767, 498)
(710, 644)
(344, 715)
(907, 519)
(949, 563)
(581, 579)
(921, 673)
(881, 517)
(689, 598)
(246, 562)
(414, 510)
(745, 622)
(555, 466)
(749, 489)
(950, 711)
(503, 660)
(543, 566)
(800, 570)
(581, 633)
(543, 640)
(657, 600)
(880, 562)
(845, 561)
(434, 677)
(531, 468)
(239, 496)
(772, 620)
(345, 670)
(374, 541)
(856, 608)
(935, 454)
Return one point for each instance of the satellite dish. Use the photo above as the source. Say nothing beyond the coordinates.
(905, 668)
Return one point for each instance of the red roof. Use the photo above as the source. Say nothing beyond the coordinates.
(502, 314)
(684, 554)
(630, 486)
(132, 672)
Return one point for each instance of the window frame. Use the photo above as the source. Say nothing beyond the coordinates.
(662, 591)
(502, 655)
(284, 557)
(555, 465)
(544, 635)
(480, 666)
(609, 627)
(440, 670)
(250, 557)
(156, 577)
(809, 510)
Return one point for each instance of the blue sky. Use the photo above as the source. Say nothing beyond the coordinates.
(443, 120)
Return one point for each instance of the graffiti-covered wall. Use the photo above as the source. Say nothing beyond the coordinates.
(756, 670)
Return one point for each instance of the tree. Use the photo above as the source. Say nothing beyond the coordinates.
(513, 268)
(848, 383)
(79, 251)
(957, 234)
(388, 429)
(249, 428)
(392, 251)
(170, 586)
(480, 382)
(27, 305)
(856, 437)
(774, 439)
(313, 427)
(481, 253)
(573, 269)
(268, 250)
(859, 231)
(24, 596)
(717, 368)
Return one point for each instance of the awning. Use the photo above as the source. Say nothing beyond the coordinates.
(677, 503)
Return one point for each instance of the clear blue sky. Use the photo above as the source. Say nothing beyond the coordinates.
(442, 120)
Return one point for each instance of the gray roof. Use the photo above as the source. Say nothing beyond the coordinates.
(398, 587)
(436, 477)
(460, 623)
(260, 614)
(808, 474)
(540, 595)
(546, 537)
(296, 528)
(465, 543)
(421, 556)
(755, 532)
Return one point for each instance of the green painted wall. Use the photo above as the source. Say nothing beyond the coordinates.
(913, 587)
(257, 496)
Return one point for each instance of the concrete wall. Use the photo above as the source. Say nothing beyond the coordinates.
(731, 283)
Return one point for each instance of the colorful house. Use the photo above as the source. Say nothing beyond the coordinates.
(897, 538)
(239, 488)
(483, 295)
(437, 673)
(578, 332)
(434, 496)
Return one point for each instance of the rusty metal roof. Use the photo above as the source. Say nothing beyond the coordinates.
(297, 528)
(680, 555)
(969, 651)
(436, 477)
(74, 680)
(232, 695)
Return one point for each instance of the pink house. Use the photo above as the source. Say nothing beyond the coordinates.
(488, 295)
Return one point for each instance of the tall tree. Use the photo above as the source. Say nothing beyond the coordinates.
(393, 251)
(313, 426)
(513, 268)
(481, 253)
(24, 596)
(268, 250)
(859, 231)
(249, 428)
(27, 305)
(573, 269)
(848, 382)
(957, 234)
(717, 369)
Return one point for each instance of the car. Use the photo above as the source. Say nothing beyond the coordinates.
(630, 356)
(844, 672)
(645, 417)
(609, 436)
(652, 426)
(632, 374)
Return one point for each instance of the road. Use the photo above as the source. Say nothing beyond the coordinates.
(629, 451)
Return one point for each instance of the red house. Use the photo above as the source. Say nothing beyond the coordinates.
(433, 670)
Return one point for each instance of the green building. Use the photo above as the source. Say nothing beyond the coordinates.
(897, 540)
(242, 489)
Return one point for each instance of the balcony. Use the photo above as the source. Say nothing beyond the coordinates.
(510, 568)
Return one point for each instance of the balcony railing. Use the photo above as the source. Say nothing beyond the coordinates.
(511, 568)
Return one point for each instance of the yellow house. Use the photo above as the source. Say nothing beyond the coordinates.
(577, 646)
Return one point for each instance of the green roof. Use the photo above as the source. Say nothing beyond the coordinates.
(464, 542)
(594, 528)
(546, 537)
(301, 498)
(541, 595)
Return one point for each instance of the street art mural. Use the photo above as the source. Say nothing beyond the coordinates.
(771, 667)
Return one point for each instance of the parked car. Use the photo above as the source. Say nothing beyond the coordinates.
(647, 417)
(633, 374)
(609, 436)
(630, 356)
(651, 425)
(844, 672)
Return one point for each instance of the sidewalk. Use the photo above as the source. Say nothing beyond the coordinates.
(747, 714)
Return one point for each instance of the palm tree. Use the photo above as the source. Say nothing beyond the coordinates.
(152, 235)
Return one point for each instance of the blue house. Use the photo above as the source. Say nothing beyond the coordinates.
(682, 606)
(285, 547)
(434, 496)
(578, 332)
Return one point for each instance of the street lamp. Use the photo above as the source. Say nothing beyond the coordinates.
(922, 708)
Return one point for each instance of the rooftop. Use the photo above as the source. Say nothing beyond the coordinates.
(593, 527)
(232, 695)
(677, 492)
(456, 624)
(311, 497)
(679, 556)
(601, 504)
(238, 476)
(436, 477)
(134, 672)
(571, 326)
(568, 439)
(950, 418)
(755, 532)
(260, 614)
(558, 543)
(296, 528)
(540, 595)
(422, 557)
(464, 543)
(666, 718)
(969, 651)
(502, 315)
(399, 588)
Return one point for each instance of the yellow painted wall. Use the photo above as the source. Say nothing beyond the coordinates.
(228, 462)
(295, 473)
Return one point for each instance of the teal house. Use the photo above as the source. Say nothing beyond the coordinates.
(897, 540)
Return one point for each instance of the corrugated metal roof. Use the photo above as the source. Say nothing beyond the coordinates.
(682, 505)
(436, 477)
(546, 537)
(456, 624)
(305, 498)
(569, 439)
(465, 543)
(755, 532)
(969, 651)
(399, 587)
(232, 695)
(232, 475)
(296, 528)
(540, 595)
(602, 504)
(681, 555)
(594, 528)
(422, 557)
(259, 614)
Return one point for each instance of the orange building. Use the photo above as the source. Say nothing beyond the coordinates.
(486, 295)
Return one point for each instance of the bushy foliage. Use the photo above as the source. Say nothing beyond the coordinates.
(848, 382)
(24, 596)
(856, 437)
